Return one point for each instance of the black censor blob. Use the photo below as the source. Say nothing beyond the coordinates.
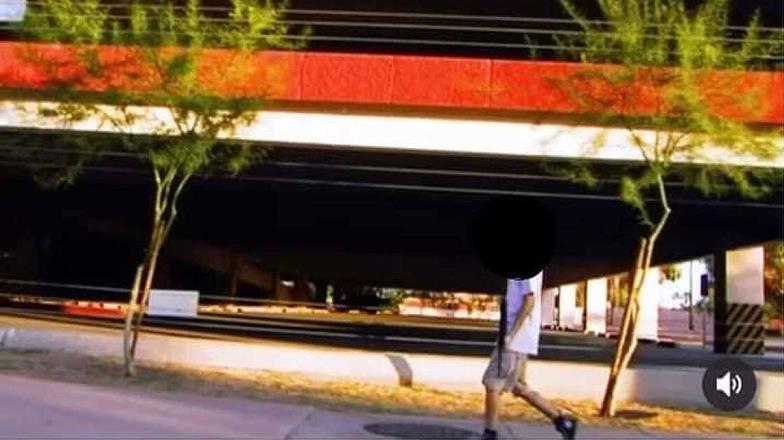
(514, 237)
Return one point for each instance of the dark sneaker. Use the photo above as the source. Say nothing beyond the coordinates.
(567, 426)
(490, 435)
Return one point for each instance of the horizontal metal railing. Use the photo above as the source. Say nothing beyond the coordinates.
(14, 288)
(412, 29)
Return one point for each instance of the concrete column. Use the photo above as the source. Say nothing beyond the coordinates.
(567, 313)
(548, 307)
(649, 307)
(739, 326)
(596, 306)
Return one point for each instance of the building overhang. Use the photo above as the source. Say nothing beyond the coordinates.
(404, 134)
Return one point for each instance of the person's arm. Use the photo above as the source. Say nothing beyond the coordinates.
(528, 307)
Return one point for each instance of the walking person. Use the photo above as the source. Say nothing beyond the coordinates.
(518, 338)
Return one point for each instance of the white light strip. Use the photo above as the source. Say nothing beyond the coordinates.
(400, 134)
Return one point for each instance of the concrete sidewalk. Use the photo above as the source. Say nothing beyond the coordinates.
(42, 409)
(672, 386)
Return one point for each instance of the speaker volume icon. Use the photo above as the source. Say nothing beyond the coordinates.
(729, 384)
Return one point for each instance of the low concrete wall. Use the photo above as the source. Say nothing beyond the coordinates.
(679, 386)
(366, 366)
(675, 386)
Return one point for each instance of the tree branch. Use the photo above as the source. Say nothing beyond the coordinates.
(158, 195)
(640, 144)
(665, 205)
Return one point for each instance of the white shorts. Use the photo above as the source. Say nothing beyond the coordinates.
(512, 371)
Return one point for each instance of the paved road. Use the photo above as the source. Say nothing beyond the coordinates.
(33, 408)
(410, 339)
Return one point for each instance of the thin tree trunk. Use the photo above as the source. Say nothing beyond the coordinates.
(627, 339)
(627, 350)
(162, 189)
(165, 214)
(150, 266)
(628, 344)
(130, 371)
(623, 334)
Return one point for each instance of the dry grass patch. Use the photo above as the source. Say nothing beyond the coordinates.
(343, 395)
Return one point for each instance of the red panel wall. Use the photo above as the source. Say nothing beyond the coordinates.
(533, 86)
(452, 82)
(273, 74)
(285, 74)
(347, 78)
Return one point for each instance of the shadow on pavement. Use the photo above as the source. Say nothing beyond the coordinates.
(631, 414)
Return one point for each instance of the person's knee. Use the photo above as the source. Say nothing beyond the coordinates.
(520, 389)
(489, 389)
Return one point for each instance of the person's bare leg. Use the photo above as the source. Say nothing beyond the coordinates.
(536, 400)
(491, 409)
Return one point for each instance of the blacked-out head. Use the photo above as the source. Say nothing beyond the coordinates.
(514, 237)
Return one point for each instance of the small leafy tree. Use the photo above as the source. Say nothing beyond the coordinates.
(774, 280)
(166, 67)
(669, 272)
(673, 78)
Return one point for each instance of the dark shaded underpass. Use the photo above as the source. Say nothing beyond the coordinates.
(386, 219)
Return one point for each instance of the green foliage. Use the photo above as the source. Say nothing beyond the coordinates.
(631, 193)
(54, 163)
(249, 24)
(163, 44)
(665, 46)
(668, 33)
(669, 272)
(672, 76)
(774, 279)
(67, 21)
(576, 171)
(159, 66)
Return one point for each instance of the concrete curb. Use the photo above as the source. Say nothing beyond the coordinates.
(676, 386)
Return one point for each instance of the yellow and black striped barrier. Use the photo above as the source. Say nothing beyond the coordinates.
(744, 327)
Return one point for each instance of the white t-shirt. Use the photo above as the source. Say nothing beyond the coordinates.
(527, 339)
